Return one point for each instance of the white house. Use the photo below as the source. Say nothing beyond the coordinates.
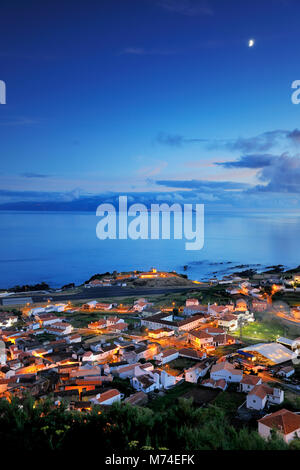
(200, 339)
(219, 310)
(191, 307)
(64, 327)
(141, 305)
(221, 383)
(286, 372)
(166, 380)
(244, 316)
(167, 356)
(226, 371)
(127, 371)
(7, 320)
(193, 373)
(160, 333)
(91, 305)
(147, 380)
(290, 343)
(191, 302)
(48, 308)
(32, 326)
(229, 322)
(262, 394)
(286, 424)
(49, 320)
(100, 355)
(75, 338)
(85, 371)
(145, 383)
(107, 398)
(249, 382)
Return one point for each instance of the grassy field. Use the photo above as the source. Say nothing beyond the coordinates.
(224, 350)
(181, 364)
(202, 395)
(170, 396)
(291, 298)
(210, 294)
(229, 401)
(80, 319)
(262, 331)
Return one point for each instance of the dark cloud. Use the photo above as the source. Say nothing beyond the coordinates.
(294, 136)
(282, 176)
(249, 161)
(278, 173)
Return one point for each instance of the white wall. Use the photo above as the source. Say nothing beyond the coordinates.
(265, 432)
(226, 375)
(256, 403)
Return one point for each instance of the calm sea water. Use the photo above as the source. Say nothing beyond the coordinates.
(62, 247)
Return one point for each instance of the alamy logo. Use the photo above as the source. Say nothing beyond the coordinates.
(2, 92)
(296, 94)
(153, 224)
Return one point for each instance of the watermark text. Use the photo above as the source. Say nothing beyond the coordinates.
(137, 222)
(2, 92)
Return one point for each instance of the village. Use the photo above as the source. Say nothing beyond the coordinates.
(149, 351)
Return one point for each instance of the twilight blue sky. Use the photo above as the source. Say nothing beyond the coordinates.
(162, 100)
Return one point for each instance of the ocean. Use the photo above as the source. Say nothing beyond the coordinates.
(62, 247)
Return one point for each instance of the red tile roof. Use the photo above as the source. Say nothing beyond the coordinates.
(225, 366)
(108, 394)
(261, 391)
(282, 420)
(250, 380)
(201, 335)
(169, 352)
(228, 317)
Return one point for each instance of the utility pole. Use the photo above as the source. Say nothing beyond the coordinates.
(241, 329)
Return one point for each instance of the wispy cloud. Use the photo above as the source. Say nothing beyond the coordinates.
(176, 140)
(249, 161)
(187, 7)
(7, 195)
(260, 143)
(151, 170)
(142, 51)
(35, 175)
(203, 185)
(17, 121)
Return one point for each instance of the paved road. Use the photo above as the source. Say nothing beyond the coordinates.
(108, 292)
(269, 378)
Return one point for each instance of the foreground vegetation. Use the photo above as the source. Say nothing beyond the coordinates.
(26, 426)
